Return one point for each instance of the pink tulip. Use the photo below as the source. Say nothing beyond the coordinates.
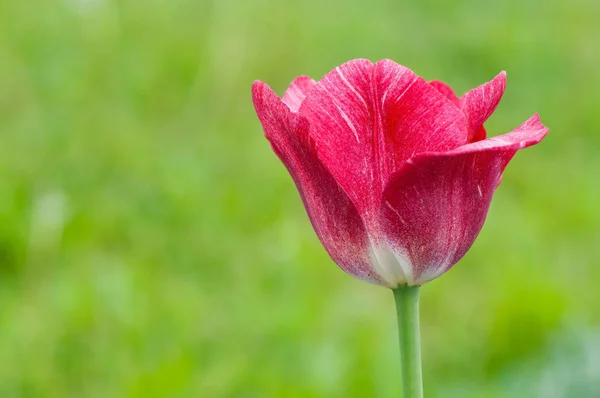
(396, 173)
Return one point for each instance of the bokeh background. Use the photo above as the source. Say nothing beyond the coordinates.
(152, 245)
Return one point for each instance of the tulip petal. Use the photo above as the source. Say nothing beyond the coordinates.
(434, 207)
(297, 91)
(367, 119)
(479, 104)
(332, 214)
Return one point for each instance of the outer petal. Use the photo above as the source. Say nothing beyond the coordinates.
(367, 119)
(332, 214)
(435, 206)
(296, 93)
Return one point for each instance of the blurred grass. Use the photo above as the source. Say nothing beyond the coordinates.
(151, 245)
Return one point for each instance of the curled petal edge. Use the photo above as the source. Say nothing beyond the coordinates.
(434, 207)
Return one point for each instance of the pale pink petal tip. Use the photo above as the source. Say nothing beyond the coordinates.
(297, 92)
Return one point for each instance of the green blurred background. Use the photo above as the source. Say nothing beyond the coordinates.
(152, 245)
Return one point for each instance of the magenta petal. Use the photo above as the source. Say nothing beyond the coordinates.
(296, 93)
(367, 119)
(434, 207)
(332, 214)
(479, 104)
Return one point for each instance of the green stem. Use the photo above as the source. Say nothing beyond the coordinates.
(407, 307)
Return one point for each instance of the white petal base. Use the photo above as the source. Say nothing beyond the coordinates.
(393, 267)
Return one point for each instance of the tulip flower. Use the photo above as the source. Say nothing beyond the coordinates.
(396, 173)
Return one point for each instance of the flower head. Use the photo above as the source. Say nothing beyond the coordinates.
(395, 172)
